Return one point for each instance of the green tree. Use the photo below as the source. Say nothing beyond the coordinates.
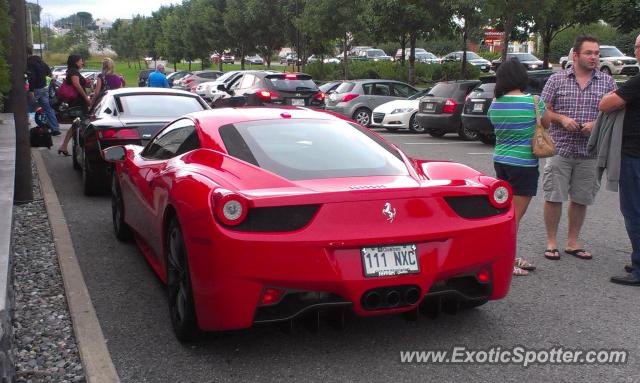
(471, 20)
(170, 45)
(509, 14)
(123, 40)
(239, 27)
(5, 75)
(551, 17)
(267, 16)
(623, 14)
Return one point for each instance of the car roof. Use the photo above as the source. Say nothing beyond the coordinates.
(224, 116)
(197, 72)
(150, 90)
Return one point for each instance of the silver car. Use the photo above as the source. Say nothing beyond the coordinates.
(357, 98)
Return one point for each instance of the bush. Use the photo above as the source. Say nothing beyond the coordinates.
(81, 50)
(488, 55)
(423, 73)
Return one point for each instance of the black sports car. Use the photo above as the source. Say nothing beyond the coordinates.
(124, 116)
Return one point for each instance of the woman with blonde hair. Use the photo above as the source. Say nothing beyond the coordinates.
(107, 79)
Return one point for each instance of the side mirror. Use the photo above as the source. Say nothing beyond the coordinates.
(114, 154)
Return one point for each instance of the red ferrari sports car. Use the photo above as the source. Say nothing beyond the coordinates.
(258, 215)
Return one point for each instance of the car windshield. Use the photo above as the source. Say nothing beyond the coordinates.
(610, 52)
(418, 95)
(345, 87)
(443, 89)
(311, 149)
(158, 105)
(425, 55)
(375, 53)
(525, 57)
(226, 76)
(285, 83)
(472, 56)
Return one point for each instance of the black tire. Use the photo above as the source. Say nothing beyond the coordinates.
(414, 126)
(606, 70)
(179, 292)
(122, 230)
(437, 133)
(74, 155)
(467, 134)
(362, 116)
(90, 184)
(489, 139)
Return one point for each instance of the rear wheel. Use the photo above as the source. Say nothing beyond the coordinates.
(467, 134)
(362, 116)
(414, 126)
(436, 133)
(489, 139)
(121, 229)
(89, 182)
(180, 294)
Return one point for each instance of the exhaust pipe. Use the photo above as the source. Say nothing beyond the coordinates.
(371, 300)
(412, 296)
(393, 298)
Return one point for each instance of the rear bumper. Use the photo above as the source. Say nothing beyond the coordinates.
(477, 123)
(317, 272)
(449, 123)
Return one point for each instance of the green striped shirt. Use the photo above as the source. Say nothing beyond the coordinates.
(514, 121)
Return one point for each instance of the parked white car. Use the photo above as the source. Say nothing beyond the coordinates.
(209, 90)
(612, 61)
(398, 114)
(326, 60)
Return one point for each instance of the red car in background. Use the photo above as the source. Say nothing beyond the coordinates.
(260, 215)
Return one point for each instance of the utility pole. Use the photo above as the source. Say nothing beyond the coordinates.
(17, 102)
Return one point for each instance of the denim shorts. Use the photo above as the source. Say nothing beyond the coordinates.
(570, 178)
(523, 179)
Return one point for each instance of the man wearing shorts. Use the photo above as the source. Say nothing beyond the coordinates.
(571, 97)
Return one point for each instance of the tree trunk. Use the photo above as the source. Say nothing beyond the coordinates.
(508, 27)
(546, 45)
(17, 103)
(463, 72)
(403, 45)
(345, 59)
(175, 65)
(413, 36)
(189, 64)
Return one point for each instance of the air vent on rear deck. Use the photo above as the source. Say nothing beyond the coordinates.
(477, 206)
(277, 219)
(366, 187)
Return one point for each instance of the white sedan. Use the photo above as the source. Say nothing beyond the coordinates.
(398, 114)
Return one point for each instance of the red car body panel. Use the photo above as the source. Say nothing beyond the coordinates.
(230, 269)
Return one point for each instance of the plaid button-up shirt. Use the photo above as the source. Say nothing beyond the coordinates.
(564, 94)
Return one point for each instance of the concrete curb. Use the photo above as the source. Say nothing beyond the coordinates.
(98, 366)
(7, 299)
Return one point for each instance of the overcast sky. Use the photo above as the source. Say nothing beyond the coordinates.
(100, 9)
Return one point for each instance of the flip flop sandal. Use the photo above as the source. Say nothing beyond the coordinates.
(554, 257)
(524, 265)
(519, 272)
(577, 253)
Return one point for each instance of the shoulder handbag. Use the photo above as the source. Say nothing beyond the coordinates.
(542, 144)
(67, 92)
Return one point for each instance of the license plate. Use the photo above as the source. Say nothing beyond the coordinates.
(382, 261)
(297, 101)
(429, 107)
(477, 107)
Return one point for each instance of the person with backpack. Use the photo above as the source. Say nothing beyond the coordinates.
(107, 79)
(37, 72)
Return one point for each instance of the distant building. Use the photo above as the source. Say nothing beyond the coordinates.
(103, 24)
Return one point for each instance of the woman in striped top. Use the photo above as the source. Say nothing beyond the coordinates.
(513, 116)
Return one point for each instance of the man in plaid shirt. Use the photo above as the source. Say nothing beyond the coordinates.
(571, 97)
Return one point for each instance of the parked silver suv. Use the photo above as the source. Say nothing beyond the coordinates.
(357, 98)
(612, 61)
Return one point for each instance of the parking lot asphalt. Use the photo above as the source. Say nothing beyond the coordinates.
(568, 303)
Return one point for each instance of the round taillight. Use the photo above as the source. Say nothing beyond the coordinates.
(500, 194)
(230, 209)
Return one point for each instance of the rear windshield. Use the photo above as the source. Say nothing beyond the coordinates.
(158, 105)
(485, 89)
(301, 82)
(345, 87)
(375, 53)
(311, 149)
(444, 89)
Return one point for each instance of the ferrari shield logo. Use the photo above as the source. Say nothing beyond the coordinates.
(389, 211)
